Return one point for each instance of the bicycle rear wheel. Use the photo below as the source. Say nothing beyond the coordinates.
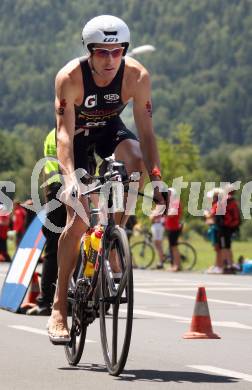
(188, 256)
(143, 254)
(116, 328)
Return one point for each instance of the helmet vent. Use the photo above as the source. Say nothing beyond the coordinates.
(110, 32)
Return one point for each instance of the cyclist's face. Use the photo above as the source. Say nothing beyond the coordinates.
(107, 59)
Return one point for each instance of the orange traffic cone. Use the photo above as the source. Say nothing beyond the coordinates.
(31, 295)
(201, 327)
(34, 288)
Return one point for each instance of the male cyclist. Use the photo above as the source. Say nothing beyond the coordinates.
(91, 92)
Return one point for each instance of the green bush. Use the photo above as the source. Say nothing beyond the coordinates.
(246, 230)
(197, 225)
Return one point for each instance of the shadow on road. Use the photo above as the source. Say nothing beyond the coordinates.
(86, 367)
(158, 376)
(173, 376)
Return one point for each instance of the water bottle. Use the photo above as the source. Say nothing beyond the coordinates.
(89, 267)
(95, 240)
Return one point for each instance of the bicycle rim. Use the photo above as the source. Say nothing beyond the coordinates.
(74, 349)
(116, 326)
(188, 256)
(143, 254)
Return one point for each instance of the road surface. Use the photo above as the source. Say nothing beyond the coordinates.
(159, 357)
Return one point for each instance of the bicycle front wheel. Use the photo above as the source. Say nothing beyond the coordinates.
(117, 291)
(188, 256)
(143, 254)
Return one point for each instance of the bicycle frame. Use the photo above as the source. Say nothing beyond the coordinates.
(89, 284)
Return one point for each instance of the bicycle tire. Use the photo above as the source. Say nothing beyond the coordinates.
(74, 349)
(188, 256)
(143, 254)
(116, 331)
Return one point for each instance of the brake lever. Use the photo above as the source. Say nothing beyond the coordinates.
(110, 175)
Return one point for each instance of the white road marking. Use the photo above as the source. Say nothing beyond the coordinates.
(159, 315)
(162, 280)
(29, 329)
(145, 291)
(207, 288)
(171, 284)
(231, 324)
(37, 331)
(224, 324)
(224, 372)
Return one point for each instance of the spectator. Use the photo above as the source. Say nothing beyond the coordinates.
(29, 213)
(225, 221)
(228, 223)
(173, 228)
(215, 195)
(4, 228)
(56, 217)
(157, 230)
(18, 221)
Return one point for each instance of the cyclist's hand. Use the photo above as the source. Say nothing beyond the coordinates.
(70, 193)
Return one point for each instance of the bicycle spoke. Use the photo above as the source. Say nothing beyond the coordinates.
(115, 334)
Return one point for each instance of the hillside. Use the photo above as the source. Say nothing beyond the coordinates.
(201, 70)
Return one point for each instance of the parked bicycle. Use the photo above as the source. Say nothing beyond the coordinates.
(100, 294)
(143, 253)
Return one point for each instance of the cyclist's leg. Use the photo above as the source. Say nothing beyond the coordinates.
(68, 248)
(119, 140)
(124, 144)
(67, 259)
(129, 152)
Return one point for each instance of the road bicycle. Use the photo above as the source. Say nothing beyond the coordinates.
(102, 295)
(143, 253)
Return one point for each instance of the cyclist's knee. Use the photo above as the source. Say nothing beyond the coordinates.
(136, 164)
(75, 229)
(135, 161)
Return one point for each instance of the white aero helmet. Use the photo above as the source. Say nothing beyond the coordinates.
(105, 29)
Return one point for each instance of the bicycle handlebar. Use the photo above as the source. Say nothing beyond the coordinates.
(111, 174)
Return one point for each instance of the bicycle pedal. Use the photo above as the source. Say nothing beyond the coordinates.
(70, 294)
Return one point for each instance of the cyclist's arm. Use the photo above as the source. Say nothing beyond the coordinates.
(65, 116)
(142, 109)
